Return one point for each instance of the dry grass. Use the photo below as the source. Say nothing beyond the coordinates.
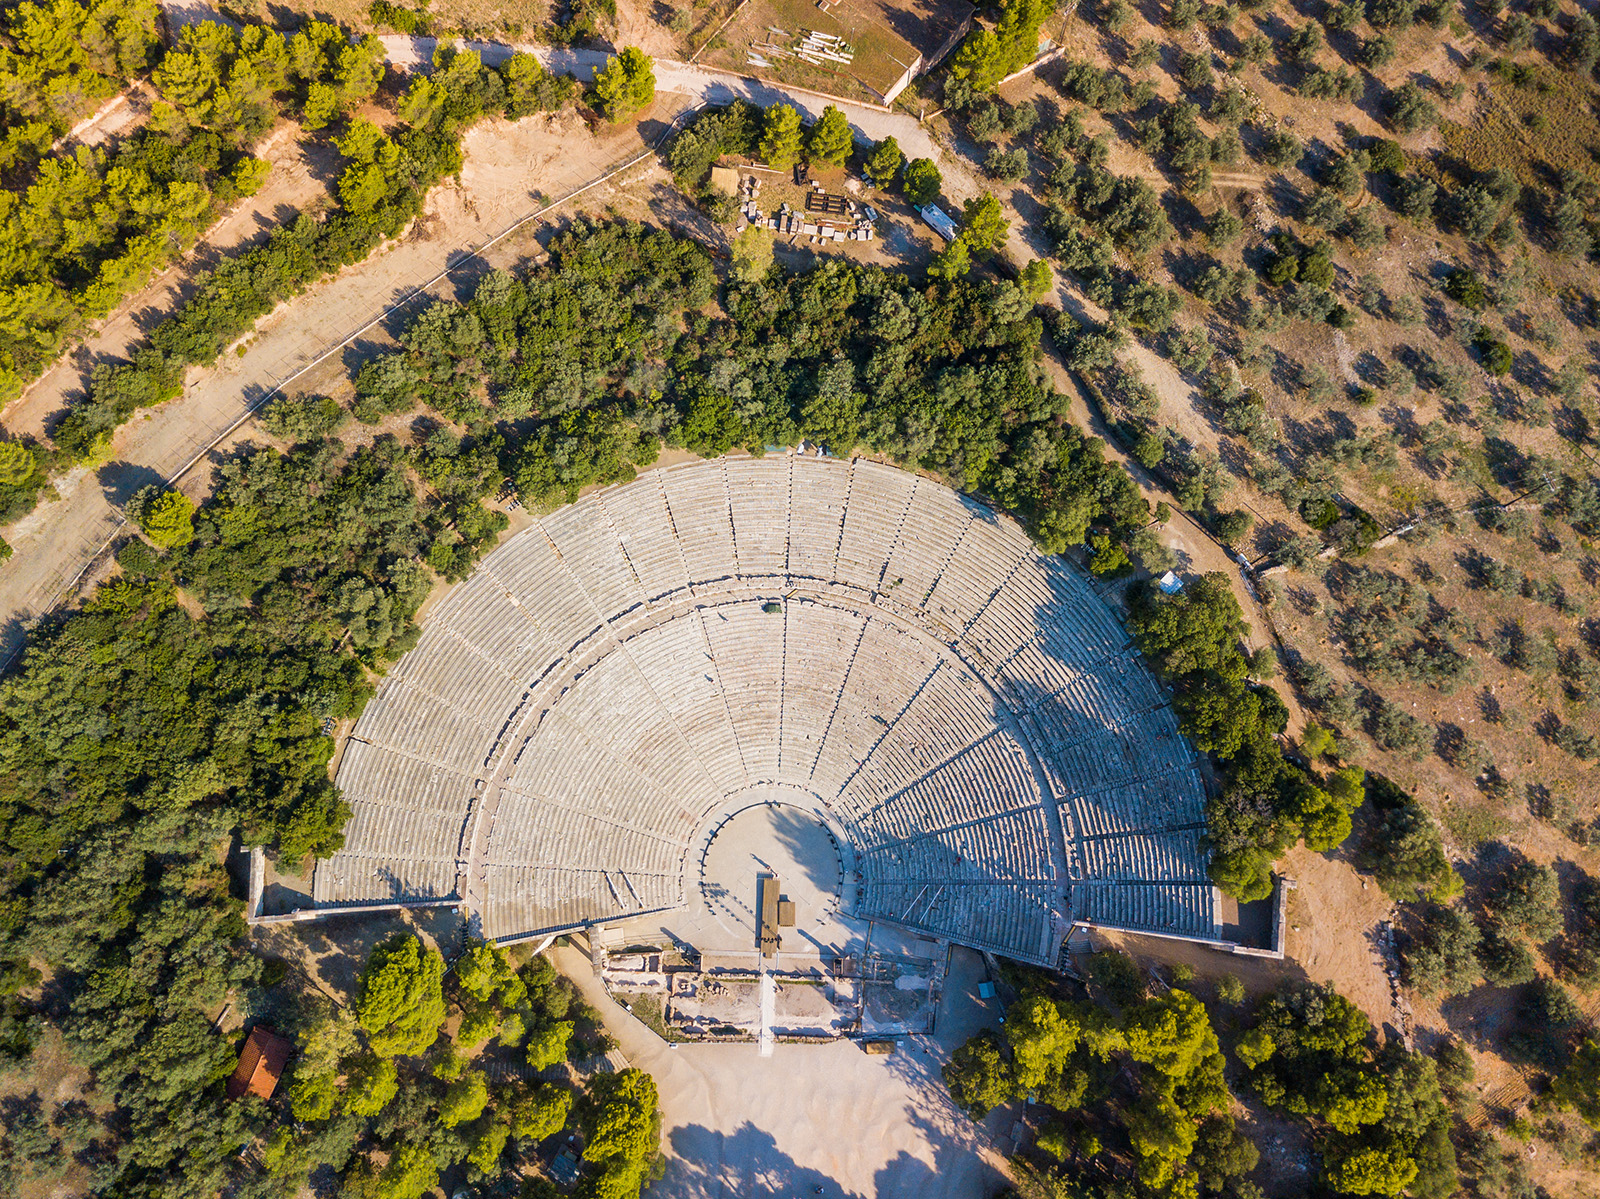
(881, 56)
(1536, 129)
(519, 19)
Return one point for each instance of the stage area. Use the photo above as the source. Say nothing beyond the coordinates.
(795, 847)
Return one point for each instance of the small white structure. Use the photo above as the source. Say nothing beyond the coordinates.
(942, 224)
(1170, 583)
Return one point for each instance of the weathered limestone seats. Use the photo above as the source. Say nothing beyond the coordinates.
(972, 715)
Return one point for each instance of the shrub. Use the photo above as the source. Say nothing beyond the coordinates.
(1008, 166)
(1496, 354)
(302, 418)
(1442, 955)
(1525, 900)
(1280, 149)
(1410, 110)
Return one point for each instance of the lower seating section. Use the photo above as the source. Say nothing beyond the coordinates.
(563, 766)
(404, 843)
(949, 715)
(1169, 909)
(1003, 849)
(677, 665)
(966, 708)
(989, 779)
(889, 667)
(1014, 920)
(819, 646)
(524, 900)
(532, 830)
(747, 649)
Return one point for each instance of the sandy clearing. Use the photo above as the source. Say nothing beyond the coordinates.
(828, 1116)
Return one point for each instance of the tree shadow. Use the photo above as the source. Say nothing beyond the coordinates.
(122, 480)
(746, 1162)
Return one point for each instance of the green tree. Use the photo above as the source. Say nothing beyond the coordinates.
(979, 1077)
(980, 62)
(1442, 956)
(1578, 1086)
(486, 1145)
(1222, 1153)
(780, 137)
(400, 999)
(1036, 278)
(167, 517)
(1316, 741)
(1526, 899)
(1197, 629)
(371, 1086)
(752, 255)
(952, 262)
(17, 464)
(464, 1099)
(1255, 1047)
(625, 84)
(922, 181)
(984, 228)
(884, 163)
(830, 139)
(411, 1171)
(624, 1131)
(1371, 1171)
(485, 971)
(540, 1112)
(312, 1096)
(547, 1044)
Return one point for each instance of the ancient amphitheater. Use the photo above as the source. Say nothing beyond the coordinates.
(621, 676)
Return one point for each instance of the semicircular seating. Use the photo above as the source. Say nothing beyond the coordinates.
(970, 713)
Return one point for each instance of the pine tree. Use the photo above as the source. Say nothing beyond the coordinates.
(780, 137)
(625, 84)
(830, 140)
(883, 164)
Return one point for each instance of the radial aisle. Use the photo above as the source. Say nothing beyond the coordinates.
(968, 712)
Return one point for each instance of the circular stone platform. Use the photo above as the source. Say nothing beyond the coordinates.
(773, 837)
(967, 716)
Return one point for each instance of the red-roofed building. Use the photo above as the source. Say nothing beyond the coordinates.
(261, 1064)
